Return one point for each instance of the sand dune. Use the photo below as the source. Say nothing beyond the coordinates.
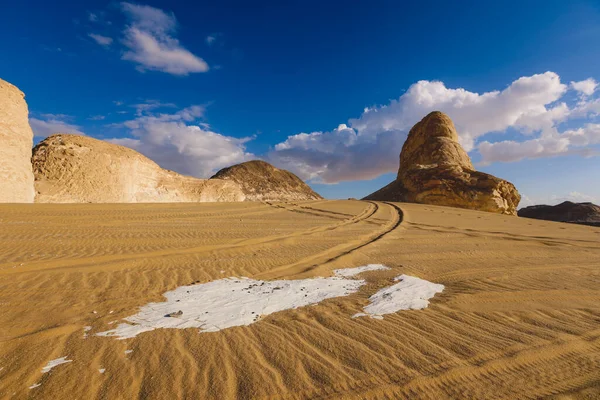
(519, 316)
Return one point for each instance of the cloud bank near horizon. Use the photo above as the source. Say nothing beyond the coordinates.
(368, 146)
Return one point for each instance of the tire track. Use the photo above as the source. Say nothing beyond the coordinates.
(337, 252)
(367, 213)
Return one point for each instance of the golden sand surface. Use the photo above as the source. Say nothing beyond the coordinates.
(519, 316)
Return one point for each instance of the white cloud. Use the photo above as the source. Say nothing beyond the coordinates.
(213, 38)
(586, 87)
(97, 118)
(575, 197)
(179, 142)
(339, 155)
(49, 124)
(101, 40)
(522, 105)
(575, 141)
(371, 144)
(149, 105)
(98, 17)
(149, 37)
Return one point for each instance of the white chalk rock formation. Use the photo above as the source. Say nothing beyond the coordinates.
(16, 141)
(80, 169)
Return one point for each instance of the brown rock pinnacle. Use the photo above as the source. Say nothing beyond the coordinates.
(435, 169)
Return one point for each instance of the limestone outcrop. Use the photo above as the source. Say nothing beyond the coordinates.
(435, 169)
(575, 213)
(16, 141)
(260, 181)
(80, 169)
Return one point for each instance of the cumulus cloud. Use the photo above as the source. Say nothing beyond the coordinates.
(575, 141)
(341, 154)
(178, 141)
(101, 40)
(152, 45)
(369, 146)
(586, 87)
(49, 124)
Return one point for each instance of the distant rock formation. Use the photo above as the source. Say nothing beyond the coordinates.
(435, 169)
(576, 213)
(16, 141)
(260, 180)
(80, 169)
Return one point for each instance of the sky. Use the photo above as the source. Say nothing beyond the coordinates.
(328, 90)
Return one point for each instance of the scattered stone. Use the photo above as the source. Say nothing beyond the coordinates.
(175, 314)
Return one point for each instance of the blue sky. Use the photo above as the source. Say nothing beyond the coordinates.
(328, 90)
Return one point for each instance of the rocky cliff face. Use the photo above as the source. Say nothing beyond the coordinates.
(16, 141)
(435, 169)
(262, 181)
(79, 169)
(576, 213)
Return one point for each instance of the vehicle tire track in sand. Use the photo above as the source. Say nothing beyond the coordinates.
(309, 263)
(545, 240)
(364, 215)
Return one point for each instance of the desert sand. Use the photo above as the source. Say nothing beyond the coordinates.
(519, 315)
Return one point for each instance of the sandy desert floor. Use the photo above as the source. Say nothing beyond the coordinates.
(519, 316)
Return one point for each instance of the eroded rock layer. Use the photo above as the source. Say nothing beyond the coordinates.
(79, 169)
(435, 169)
(16, 141)
(260, 181)
(576, 213)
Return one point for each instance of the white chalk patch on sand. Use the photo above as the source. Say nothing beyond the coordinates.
(35, 385)
(101, 370)
(348, 272)
(128, 351)
(53, 363)
(410, 293)
(230, 302)
(86, 329)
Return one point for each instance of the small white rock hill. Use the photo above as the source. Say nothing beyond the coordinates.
(16, 141)
(79, 169)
